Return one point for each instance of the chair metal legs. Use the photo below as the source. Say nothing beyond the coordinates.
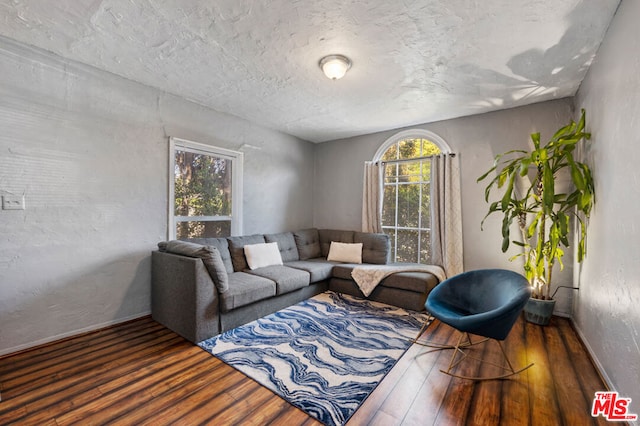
(424, 327)
(434, 345)
(459, 355)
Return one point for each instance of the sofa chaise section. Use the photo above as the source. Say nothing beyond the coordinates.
(408, 290)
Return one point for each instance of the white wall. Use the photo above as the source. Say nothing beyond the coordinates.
(607, 309)
(90, 151)
(477, 139)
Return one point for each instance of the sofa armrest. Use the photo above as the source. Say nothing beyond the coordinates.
(183, 296)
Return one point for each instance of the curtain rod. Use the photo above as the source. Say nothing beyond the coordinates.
(406, 160)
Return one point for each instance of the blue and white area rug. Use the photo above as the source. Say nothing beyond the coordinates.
(324, 355)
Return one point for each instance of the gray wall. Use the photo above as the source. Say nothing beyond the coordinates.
(607, 308)
(90, 151)
(477, 139)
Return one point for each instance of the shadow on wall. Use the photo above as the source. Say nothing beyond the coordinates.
(526, 66)
(96, 297)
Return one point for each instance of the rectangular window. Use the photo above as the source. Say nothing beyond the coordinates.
(205, 190)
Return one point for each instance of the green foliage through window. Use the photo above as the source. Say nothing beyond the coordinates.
(202, 191)
(406, 212)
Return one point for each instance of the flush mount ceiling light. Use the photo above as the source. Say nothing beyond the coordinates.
(335, 66)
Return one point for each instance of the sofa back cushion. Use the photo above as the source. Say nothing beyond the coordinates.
(308, 243)
(376, 248)
(210, 257)
(236, 248)
(286, 245)
(221, 244)
(329, 235)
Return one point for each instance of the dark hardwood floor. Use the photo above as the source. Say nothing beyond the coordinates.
(140, 373)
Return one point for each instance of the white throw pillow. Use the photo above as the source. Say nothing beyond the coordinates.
(261, 255)
(345, 252)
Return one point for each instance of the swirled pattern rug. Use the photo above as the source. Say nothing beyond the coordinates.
(324, 355)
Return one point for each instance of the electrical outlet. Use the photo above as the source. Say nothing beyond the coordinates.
(13, 202)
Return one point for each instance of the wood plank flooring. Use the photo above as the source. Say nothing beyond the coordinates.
(140, 373)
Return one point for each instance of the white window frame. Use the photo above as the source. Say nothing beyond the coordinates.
(237, 160)
(408, 134)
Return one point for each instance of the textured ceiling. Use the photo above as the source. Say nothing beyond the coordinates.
(413, 61)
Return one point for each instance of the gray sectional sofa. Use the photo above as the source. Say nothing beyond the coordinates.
(202, 287)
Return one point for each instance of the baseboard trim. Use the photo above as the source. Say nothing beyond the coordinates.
(75, 333)
(599, 368)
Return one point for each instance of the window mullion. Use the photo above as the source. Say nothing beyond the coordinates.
(202, 218)
(419, 207)
(395, 219)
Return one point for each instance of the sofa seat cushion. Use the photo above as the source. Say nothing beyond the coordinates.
(245, 289)
(420, 282)
(319, 269)
(286, 279)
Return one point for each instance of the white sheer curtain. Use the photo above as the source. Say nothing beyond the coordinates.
(372, 198)
(446, 214)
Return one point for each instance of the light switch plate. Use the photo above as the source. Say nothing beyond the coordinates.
(13, 202)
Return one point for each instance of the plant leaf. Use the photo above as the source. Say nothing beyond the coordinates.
(548, 188)
(535, 137)
(486, 174)
(506, 198)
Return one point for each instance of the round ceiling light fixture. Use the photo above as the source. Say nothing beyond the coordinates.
(335, 66)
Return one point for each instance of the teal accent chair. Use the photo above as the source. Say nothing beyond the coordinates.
(484, 303)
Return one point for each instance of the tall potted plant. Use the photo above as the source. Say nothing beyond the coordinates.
(542, 210)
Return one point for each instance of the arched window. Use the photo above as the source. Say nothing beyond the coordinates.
(406, 205)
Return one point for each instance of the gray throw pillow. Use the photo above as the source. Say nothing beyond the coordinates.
(210, 257)
(221, 244)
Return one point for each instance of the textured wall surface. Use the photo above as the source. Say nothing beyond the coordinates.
(607, 309)
(90, 152)
(477, 139)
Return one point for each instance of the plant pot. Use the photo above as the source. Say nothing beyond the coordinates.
(538, 311)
